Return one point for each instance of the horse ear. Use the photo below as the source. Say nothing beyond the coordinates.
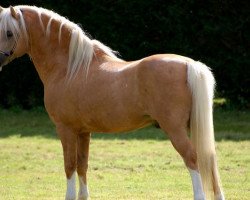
(1, 8)
(14, 13)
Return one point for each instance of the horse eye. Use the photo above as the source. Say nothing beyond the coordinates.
(9, 34)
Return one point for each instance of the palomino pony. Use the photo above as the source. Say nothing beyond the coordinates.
(88, 89)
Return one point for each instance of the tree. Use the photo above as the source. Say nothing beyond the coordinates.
(215, 32)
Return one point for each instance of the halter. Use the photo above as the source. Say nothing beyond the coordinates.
(7, 54)
(4, 55)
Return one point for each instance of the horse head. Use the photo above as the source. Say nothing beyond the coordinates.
(13, 35)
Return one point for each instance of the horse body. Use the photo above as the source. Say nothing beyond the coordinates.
(124, 94)
(107, 94)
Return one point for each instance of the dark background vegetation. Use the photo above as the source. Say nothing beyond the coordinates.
(216, 32)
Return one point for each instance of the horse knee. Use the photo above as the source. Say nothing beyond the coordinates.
(83, 153)
(69, 144)
(82, 167)
(70, 162)
(70, 168)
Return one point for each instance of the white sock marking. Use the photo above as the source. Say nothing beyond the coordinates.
(71, 188)
(197, 185)
(220, 197)
(83, 190)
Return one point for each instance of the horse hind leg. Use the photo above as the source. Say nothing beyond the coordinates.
(179, 139)
(173, 118)
(177, 131)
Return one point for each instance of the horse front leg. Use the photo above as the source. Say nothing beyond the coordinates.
(83, 140)
(69, 143)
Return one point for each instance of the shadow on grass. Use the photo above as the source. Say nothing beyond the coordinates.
(229, 125)
(34, 123)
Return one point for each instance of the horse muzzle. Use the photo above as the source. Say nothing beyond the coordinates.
(5, 56)
(3, 59)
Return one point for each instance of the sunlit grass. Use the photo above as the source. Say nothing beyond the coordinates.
(140, 165)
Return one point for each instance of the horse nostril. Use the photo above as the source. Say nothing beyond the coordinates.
(3, 58)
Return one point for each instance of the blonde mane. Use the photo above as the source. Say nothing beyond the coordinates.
(81, 48)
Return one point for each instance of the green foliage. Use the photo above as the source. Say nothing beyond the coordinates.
(215, 32)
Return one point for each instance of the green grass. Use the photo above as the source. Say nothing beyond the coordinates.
(139, 165)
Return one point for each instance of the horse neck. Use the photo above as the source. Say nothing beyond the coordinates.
(49, 56)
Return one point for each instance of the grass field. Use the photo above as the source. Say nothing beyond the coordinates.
(139, 165)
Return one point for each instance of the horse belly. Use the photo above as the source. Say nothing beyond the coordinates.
(117, 118)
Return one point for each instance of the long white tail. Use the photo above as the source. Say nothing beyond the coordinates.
(201, 83)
